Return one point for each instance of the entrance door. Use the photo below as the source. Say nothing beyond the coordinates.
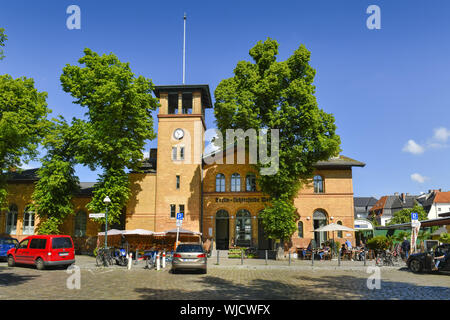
(222, 230)
(264, 243)
(243, 228)
(320, 220)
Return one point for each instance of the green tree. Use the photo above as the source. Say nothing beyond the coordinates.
(119, 122)
(57, 181)
(270, 94)
(23, 124)
(444, 238)
(404, 215)
(3, 38)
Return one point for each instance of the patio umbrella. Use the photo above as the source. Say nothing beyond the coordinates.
(140, 232)
(184, 231)
(112, 232)
(333, 227)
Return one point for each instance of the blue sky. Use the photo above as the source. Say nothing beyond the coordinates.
(387, 88)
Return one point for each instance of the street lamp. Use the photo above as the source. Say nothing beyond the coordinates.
(107, 201)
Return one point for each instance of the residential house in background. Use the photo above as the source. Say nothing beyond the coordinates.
(435, 202)
(362, 206)
(384, 209)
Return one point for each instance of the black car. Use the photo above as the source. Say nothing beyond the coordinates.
(424, 262)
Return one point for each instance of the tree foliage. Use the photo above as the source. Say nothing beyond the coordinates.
(119, 121)
(3, 38)
(404, 215)
(270, 94)
(23, 123)
(57, 181)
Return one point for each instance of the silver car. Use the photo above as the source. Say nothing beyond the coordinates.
(189, 256)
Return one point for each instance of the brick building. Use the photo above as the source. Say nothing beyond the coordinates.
(220, 200)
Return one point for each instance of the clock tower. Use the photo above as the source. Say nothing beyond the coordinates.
(181, 126)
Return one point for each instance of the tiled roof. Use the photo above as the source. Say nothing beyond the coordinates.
(364, 201)
(379, 205)
(442, 197)
(340, 161)
(23, 175)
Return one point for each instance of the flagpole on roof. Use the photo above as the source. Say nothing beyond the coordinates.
(184, 48)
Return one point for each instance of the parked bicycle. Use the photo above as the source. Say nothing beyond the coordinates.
(104, 257)
(384, 258)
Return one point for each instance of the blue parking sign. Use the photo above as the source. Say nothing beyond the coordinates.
(180, 216)
(414, 216)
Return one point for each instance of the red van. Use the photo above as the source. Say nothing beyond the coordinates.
(43, 251)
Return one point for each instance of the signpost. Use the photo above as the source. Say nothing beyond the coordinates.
(179, 223)
(415, 226)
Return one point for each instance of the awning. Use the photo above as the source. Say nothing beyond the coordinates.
(362, 224)
(423, 224)
(111, 232)
(333, 227)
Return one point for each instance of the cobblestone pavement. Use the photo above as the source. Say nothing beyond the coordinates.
(227, 281)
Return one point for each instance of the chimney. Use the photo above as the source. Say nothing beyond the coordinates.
(403, 198)
(396, 194)
(407, 193)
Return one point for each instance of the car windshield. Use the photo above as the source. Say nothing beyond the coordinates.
(189, 248)
(61, 243)
(8, 241)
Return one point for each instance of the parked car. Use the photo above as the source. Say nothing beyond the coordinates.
(43, 251)
(6, 244)
(424, 262)
(189, 256)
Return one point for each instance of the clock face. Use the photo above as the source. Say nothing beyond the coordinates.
(178, 134)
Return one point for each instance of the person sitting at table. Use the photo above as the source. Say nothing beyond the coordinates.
(343, 250)
(361, 253)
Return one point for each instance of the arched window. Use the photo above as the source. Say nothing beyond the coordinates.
(318, 184)
(235, 182)
(243, 228)
(28, 221)
(11, 219)
(80, 224)
(220, 182)
(300, 229)
(250, 182)
(339, 233)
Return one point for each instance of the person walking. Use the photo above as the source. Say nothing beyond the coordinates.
(406, 246)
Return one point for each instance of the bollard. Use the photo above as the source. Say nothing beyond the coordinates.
(218, 252)
(312, 258)
(266, 256)
(157, 261)
(164, 259)
(242, 257)
(289, 258)
(339, 257)
(365, 256)
(136, 257)
(130, 260)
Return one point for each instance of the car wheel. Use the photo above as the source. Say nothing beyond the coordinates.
(11, 262)
(415, 265)
(204, 271)
(40, 264)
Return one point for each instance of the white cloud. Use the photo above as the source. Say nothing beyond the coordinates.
(441, 134)
(412, 147)
(418, 178)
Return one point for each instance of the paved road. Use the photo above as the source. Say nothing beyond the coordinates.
(224, 282)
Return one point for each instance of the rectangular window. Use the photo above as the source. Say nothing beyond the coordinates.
(182, 209)
(173, 211)
(174, 153)
(182, 153)
(178, 182)
(38, 243)
(61, 243)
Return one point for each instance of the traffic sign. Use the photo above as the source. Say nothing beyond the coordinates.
(415, 223)
(96, 215)
(179, 223)
(414, 216)
(180, 216)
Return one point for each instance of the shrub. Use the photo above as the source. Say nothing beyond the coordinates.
(379, 243)
(444, 238)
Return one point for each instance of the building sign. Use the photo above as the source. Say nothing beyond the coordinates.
(242, 200)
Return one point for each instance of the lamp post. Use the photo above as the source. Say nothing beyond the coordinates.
(107, 201)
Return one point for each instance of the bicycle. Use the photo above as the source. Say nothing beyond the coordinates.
(104, 257)
(384, 258)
